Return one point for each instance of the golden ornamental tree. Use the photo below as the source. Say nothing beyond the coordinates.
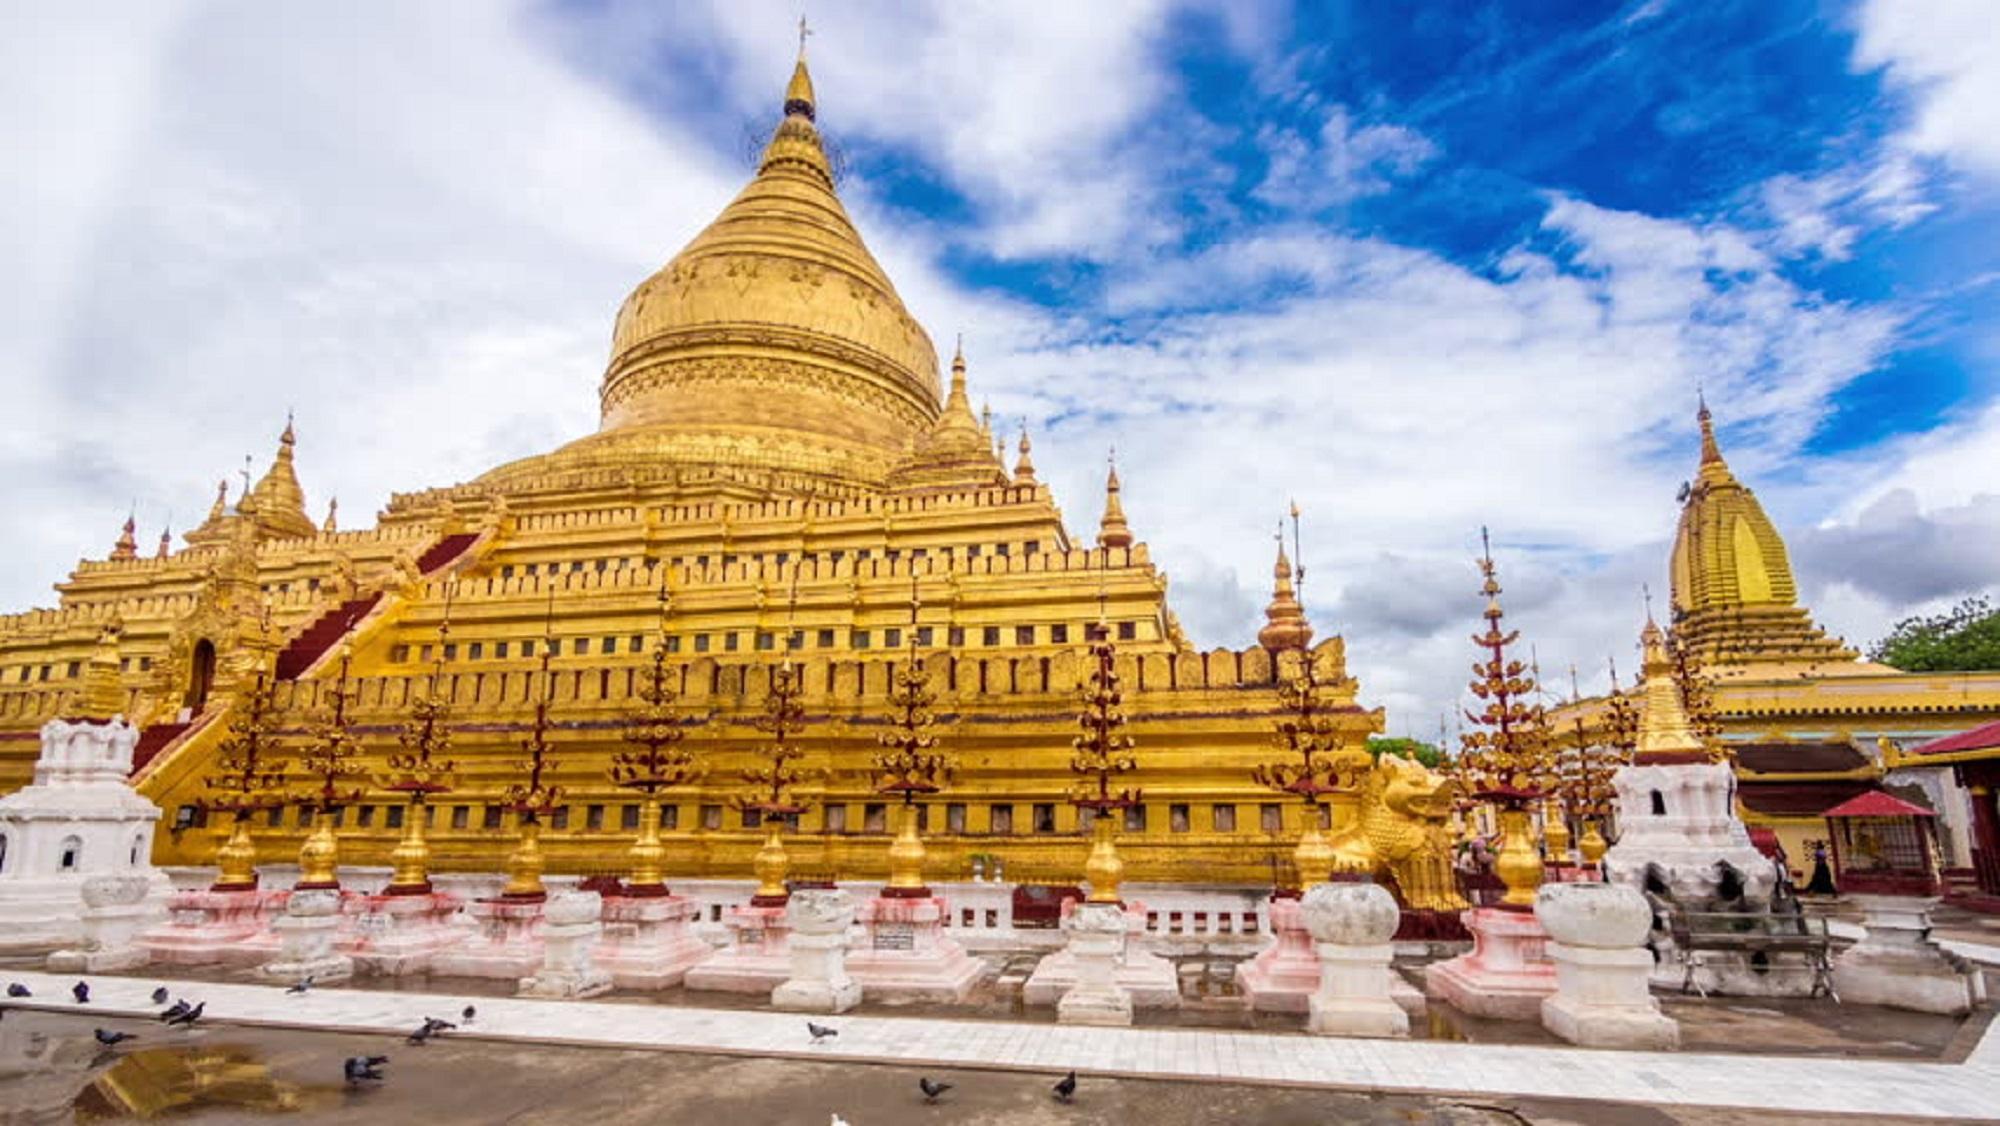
(1508, 749)
(910, 764)
(331, 768)
(1101, 754)
(659, 761)
(247, 779)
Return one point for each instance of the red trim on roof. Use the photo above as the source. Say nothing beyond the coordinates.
(1876, 803)
(1985, 737)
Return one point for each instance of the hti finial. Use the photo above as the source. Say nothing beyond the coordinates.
(1646, 592)
(804, 31)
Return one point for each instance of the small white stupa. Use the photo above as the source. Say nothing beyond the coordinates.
(79, 818)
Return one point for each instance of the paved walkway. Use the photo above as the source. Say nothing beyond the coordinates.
(1962, 1091)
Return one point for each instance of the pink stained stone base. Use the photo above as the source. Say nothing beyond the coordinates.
(758, 958)
(506, 942)
(400, 934)
(1284, 975)
(648, 942)
(1507, 973)
(209, 928)
(1152, 981)
(907, 956)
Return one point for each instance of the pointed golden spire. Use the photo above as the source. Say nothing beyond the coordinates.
(986, 421)
(1285, 620)
(211, 530)
(1113, 531)
(1024, 466)
(1665, 736)
(166, 543)
(954, 452)
(103, 694)
(796, 141)
(1714, 470)
(127, 546)
(280, 502)
(332, 522)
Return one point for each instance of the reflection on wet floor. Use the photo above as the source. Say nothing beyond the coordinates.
(53, 1070)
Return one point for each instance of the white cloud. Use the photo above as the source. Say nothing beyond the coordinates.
(1344, 163)
(1946, 53)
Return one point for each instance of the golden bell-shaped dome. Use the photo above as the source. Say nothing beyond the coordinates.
(772, 342)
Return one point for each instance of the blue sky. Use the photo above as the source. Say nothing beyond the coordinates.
(1421, 266)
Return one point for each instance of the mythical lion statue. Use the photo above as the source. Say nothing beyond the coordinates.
(1404, 810)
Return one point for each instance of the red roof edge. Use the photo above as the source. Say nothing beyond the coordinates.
(1877, 803)
(1984, 737)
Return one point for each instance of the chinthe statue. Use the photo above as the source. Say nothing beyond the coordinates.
(1405, 813)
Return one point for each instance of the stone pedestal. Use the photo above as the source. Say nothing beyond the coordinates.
(906, 956)
(400, 934)
(1097, 937)
(819, 982)
(1603, 996)
(1507, 973)
(648, 942)
(1353, 928)
(758, 958)
(506, 942)
(79, 818)
(306, 934)
(1897, 964)
(569, 934)
(1284, 975)
(210, 928)
(115, 910)
(1149, 979)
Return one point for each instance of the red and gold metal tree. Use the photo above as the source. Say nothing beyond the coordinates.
(910, 763)
(1101, 753)
(331, 766)
(245, 781)
(771, 788)
(1508, 747)
(535, 796)
(1697, 696)
(421, 772)
(658, 762)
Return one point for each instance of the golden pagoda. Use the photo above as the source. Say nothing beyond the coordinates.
(775, 447)
(1799, 713)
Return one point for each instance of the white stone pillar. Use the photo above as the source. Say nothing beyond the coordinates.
(569, 934)
(1897, 964)
(306, 933)
(115, 910)
(1597, 940)
(818, 918)
(1353, 928)
(1097, 947)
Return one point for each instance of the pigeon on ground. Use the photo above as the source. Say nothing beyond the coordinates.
(820, 1032)
(301, 985)
(187, 1019)
(1066, 1088)
(111, 1039)
(81, 991)
(931, 1090)
(466, 1014)
(160, 995)
(431, 1027)
(174, 1010)
(16, 989)
(361, 1069)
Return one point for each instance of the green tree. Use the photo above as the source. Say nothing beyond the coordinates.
(1964, 639)
(1425, 753)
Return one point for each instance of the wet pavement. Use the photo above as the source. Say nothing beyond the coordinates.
(52, 1070)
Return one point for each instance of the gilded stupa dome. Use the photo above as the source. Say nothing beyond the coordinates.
(772, 342)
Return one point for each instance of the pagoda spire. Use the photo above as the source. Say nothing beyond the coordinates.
(1285, 624)
(1714, 470)
(166, 543)
(796, 142)
(1024, 466)
(127, 546)
(1665, 734)
(332, 522)
(281, 503)
(1112, 531)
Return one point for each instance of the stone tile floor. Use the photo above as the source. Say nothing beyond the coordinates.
(1670, 1083)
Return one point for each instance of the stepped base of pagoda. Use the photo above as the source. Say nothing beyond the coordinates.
(1507, 973)
(758, 958)
(217, 928)
(393, 935)
(505, 943)
(648, 941)
(1149, 979)
(906, 955)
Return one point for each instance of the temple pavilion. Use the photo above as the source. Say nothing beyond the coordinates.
(779, 475)
(1801, 715)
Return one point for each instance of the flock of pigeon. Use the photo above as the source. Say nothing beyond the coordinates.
(362, 1070)
(357, 1070)
(1064, 1090)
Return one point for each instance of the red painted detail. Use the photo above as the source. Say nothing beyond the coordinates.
(312, 644)
(444, 551)
(1878, 803)
(153, 740)
(1982, 738)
